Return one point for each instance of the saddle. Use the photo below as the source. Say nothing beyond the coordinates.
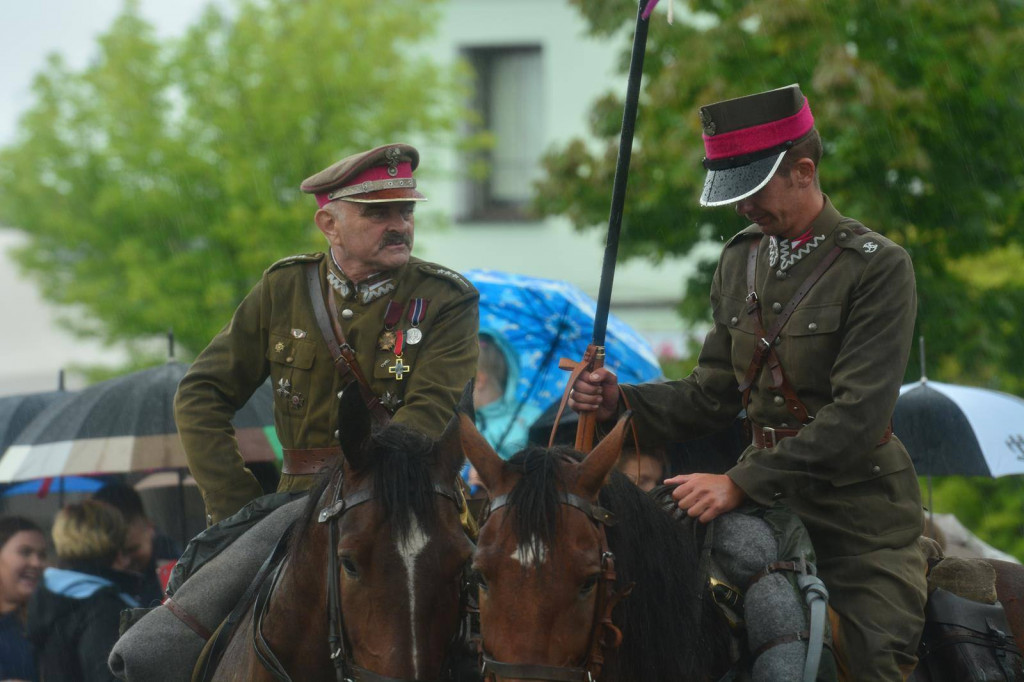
(966, 636)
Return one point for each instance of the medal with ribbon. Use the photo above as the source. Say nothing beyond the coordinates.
(386, 340)
(417, 311)
(399, 368)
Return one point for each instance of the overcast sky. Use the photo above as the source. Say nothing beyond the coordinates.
(32, 348)
(32, 29)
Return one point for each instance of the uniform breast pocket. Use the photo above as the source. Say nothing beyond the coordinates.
(291, 364)
(809, 343)
(732, 313)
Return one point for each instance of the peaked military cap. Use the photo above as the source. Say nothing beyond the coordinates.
(375, 176)
(746, 138)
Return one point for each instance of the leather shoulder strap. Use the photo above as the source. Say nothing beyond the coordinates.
(345, 361)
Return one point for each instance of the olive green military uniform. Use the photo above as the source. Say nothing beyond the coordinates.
(844, 351)
(274, 333)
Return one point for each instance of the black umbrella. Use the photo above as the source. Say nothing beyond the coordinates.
(17, 411)
(954, 430)
(124, 424)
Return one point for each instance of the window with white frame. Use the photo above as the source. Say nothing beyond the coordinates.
(508, 98)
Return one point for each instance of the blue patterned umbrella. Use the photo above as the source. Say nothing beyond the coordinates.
(544, 320)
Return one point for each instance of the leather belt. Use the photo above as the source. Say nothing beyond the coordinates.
(307, 461)
(768, 437)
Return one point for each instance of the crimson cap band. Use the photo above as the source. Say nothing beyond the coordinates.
(379, 175)
(746, 138)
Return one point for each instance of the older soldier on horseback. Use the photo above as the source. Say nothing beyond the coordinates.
(813, 320)
(365, 311)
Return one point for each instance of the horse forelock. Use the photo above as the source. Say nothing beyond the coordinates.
(534, 503)
(399, 462)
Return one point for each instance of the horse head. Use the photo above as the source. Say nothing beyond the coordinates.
(546, 572)
(383, 528)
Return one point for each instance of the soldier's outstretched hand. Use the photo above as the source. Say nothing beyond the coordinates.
(706, 496)
(596, 391)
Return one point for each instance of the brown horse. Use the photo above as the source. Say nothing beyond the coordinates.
(547, 587)
(370, 585)
(558, 555)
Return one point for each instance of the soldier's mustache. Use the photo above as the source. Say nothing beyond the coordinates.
(392, 238)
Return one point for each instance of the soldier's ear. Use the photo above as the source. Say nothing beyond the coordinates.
(327, 223)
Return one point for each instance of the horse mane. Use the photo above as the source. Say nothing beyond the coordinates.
(400, 460)
(664, 637)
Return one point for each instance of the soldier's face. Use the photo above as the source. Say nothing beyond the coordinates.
(371, 238)
(773, 207)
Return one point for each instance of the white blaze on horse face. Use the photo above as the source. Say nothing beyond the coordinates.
(409, 550)
(532, 554)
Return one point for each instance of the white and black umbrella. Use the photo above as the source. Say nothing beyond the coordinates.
(953, 430)
(124, 424)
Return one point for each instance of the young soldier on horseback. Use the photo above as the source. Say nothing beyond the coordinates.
(403, 328)
(813, 322)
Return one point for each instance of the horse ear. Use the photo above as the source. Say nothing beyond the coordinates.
(450, 443)
(465, 405)
(596, 466)
(353, 424)
(481, 455)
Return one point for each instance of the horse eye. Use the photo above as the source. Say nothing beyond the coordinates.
(589, 584)
(349, 567)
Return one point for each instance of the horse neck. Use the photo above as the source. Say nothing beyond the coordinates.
(296, 621)
(660, 556)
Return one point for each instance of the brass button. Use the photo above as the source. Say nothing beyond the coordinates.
(337, 434)
(209, 519)
(289, 359)
(776, 307)
(876, 470)
(778, 340)
(347, 314)
(339, 394)
(813, 326)
(780, 274)
(734, 321)
(779, 400)
(843, 236)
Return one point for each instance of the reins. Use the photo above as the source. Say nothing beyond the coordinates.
(604, 634)
(334, 506)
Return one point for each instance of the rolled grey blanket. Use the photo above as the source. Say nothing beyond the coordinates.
(743, 546)
(162, 648)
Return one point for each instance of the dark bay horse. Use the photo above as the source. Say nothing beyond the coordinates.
(557, 556)
(378, 595)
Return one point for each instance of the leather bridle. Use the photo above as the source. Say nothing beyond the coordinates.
(604, 634)
(333, 506)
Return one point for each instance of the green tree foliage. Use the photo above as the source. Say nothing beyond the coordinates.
(919, 106)
(157, 183)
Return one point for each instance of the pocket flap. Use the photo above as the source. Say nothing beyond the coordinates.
(287, 350)
(822, 319)
(884, 460)
(732, 313)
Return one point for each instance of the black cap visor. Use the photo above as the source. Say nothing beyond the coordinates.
(729, 185)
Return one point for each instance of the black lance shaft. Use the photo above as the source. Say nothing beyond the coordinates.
(587, 422)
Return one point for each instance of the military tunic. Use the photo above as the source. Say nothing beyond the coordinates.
(274, 333)
(844, 351)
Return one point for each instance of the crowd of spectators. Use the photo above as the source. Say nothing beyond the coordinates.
(61, 597)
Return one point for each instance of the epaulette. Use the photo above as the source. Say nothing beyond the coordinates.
(750, 231)
(850, 234)
(300, 258)
(444, 273)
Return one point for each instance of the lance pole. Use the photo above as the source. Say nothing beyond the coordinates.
(594, 356)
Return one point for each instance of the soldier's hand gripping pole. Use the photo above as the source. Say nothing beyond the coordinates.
(594, 356)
